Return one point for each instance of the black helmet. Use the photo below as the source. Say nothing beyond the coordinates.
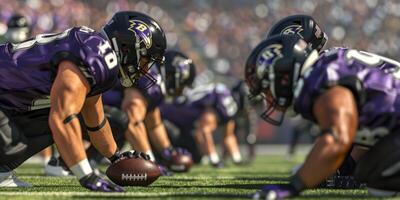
(139, 42)
(273, 69)
(178, 72)
(304, 26)
(17, 29)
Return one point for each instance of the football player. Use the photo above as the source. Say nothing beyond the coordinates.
(308, 29)
(141, 106)
(196, 116)
(50, 79)
(341, 90)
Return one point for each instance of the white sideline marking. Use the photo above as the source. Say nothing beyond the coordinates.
(127, 194)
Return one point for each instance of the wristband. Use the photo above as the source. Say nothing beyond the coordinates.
(82, 169)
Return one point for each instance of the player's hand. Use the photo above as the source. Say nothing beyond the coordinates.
(165, 171)
(275, 191)
(129, 154)
(94, 182)
(167, 153)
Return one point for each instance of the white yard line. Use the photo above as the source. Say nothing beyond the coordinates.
(94, 194)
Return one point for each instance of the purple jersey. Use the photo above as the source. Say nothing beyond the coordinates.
(378, 100)
(185, 111)
(113, 97)
(28, 69)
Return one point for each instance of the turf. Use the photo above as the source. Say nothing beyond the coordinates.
(203, 182)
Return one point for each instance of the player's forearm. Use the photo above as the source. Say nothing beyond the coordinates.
(159, 137)
(103, 141)
(137, 137)
(67, 135)
(208, 142)
(229, 140)
(323, 160)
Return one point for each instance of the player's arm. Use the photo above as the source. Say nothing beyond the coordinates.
(135, 106)
(156, 129)
(337, 115)
(67, 97)
(230, 141)
(98, 128)
(205, 128)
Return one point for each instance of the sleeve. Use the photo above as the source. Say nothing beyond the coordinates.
(94, 57)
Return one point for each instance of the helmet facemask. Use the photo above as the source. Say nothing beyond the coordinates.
(135, 63)
(275, 75)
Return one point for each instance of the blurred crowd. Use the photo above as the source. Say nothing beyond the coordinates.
(219, 35)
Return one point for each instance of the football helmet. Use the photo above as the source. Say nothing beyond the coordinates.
(177, 72)
(304, 26)
(139, 42)
(273, 69)
(17, 29)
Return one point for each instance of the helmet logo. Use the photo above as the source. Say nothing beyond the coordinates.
(142, 32)
(268, 56)
(293, 29)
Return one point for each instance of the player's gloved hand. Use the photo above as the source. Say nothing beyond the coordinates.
(128, 154)
(165, 171)
(167, 153)
(275, 191)
(94, 182)
(171, 158)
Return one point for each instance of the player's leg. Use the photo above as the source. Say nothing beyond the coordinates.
(33, 131)
(379, 168)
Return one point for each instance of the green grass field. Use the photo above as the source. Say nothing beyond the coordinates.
(203, 182)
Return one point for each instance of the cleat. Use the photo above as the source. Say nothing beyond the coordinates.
(10, 179)
(56, 167)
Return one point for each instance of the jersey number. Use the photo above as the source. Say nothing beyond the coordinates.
(374, 60)
(40, 39)
(110, 57)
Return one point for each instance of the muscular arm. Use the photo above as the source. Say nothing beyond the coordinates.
(93, 115)
(135, 106)
(336, 109)
(205, 128)
(67, 96)
(156, 129)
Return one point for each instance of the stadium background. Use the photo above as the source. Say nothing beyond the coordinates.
(219, 35)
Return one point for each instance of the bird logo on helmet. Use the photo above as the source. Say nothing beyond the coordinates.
(302, 25)
(293, 29)
(139, 43)
(142, 32)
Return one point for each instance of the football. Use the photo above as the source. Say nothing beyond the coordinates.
(133, 172)
(180, 163)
